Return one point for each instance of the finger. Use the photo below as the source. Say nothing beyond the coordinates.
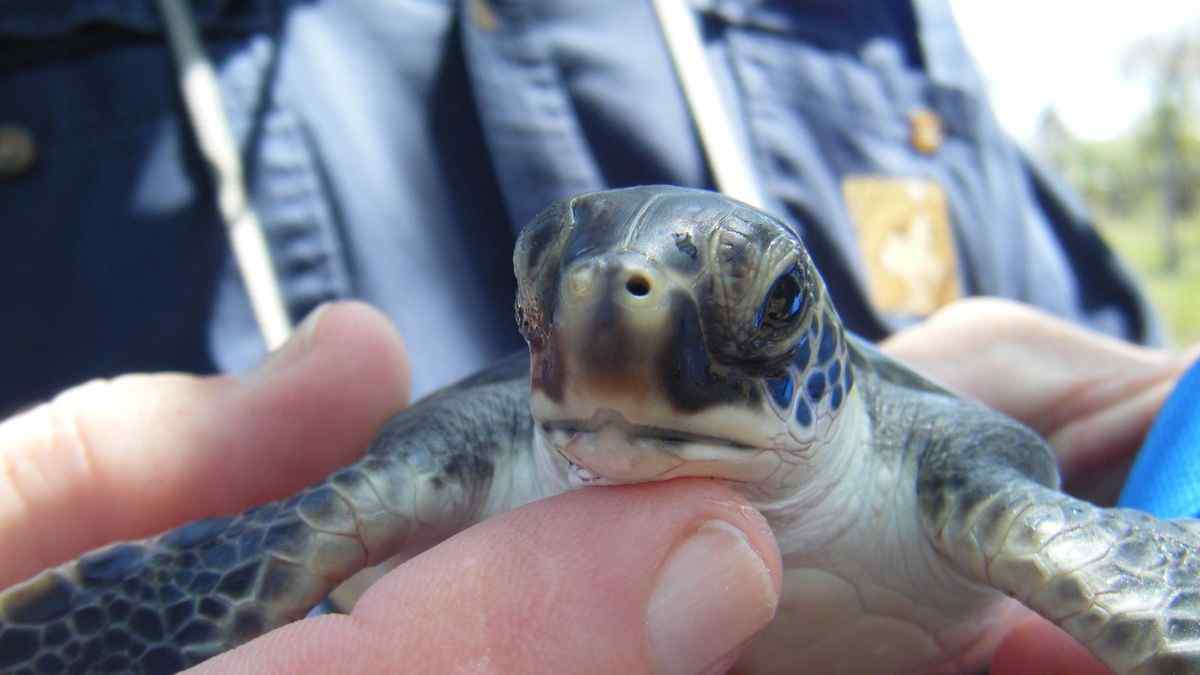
(135, 455)
(1098, 446)
(1045, 372)
(1038, 646)
(1036, 367)
(1102, 437)
(668, 578)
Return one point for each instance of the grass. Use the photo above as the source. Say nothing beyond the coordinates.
(1176, 296)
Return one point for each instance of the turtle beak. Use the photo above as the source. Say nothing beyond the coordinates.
(609, 453)
(615, 309)
(607, 450)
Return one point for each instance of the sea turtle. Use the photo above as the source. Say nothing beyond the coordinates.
(672, 332)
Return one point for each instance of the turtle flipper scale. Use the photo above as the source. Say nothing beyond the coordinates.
(162, 604)
(1121, 582)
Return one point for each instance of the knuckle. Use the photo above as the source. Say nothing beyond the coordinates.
(45, 452)
(67, 426)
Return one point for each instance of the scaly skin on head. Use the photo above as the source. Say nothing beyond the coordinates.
(677, 333)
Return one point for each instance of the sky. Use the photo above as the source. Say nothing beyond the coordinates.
(1066, 54)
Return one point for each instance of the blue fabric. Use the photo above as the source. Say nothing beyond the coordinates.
(393, 150)
(1165, 478)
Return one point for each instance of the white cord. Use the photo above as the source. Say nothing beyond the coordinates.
(728, 158)
(202, 96)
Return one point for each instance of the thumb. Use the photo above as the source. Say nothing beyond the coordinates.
(1038, 646)
(124, 458)
(668, 578)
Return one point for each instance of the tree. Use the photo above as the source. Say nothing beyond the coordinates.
(1170, 64)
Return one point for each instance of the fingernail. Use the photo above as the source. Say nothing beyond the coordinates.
(297, 345)
(713, 593)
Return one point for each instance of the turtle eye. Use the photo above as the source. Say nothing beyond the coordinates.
(785, 301)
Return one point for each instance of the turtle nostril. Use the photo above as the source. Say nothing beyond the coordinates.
(638, 285)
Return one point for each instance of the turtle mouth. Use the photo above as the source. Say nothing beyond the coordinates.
(567, 437)
(608, 450)
(580, 474)
(639, 432)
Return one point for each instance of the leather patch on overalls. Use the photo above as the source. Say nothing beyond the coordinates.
(905, 236)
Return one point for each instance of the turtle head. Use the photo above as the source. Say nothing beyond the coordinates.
(675, 332)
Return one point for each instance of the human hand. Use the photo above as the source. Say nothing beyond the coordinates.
(671, 578)
(1092, 396)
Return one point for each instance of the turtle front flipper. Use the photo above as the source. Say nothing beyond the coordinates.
(162, 604)
(1121, 582)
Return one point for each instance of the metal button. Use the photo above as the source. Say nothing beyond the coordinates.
(483, 15)
(925, 130)
(17, 150)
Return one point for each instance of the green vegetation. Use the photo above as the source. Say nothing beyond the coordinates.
(1131, 183)
(1145, 184)
(1176, 295)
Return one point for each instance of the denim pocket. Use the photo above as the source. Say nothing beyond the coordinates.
(820, 117)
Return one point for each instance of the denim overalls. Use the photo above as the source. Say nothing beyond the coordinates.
(394, 148)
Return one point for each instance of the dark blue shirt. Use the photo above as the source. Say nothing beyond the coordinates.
(393, 149)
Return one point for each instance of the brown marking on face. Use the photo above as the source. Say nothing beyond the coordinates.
(547, 373)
